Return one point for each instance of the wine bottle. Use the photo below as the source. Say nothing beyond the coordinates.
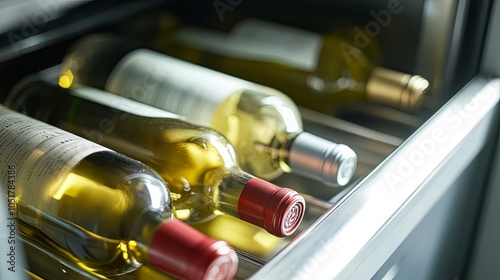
(263, 124)
(106, 212)
(323, 72)
(198, 163)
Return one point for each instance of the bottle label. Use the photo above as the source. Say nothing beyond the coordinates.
(40, 154)
(259, 40)
(173, 85)
(121, 103)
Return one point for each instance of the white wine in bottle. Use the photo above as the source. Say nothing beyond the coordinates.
(198, 163)
(106, 212)
(320, 71)
(263, 124)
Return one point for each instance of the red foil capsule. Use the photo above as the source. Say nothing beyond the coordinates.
(278, 210)
(186, 253)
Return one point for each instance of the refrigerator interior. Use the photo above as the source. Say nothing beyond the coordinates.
(413, 224)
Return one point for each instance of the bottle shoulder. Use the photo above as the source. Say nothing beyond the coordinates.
(268, 103)
(129, 182)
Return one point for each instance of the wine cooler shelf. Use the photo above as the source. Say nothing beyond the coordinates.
(254, 246)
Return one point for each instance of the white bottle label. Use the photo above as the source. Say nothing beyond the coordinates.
(173, 85)
(41, 154)
(121, 103)
(259, 40)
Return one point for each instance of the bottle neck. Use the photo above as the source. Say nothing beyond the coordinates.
(229, 190)
(181, 251)
(395, 89)
(261, 203)
(321, 159)
(141, 237)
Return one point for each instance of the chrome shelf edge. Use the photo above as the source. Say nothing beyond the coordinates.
(347, 242)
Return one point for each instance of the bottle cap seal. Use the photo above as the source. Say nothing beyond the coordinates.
(318, 158)
(399, 90)
(181, 251)
(278, 210)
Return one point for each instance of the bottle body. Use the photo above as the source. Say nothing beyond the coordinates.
(260, 122)
(324, 72)
(82, 202)
(330, 74)
(263, 124)
(198, 163)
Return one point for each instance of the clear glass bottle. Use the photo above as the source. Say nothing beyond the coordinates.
(263, 124)
(108, 213)
(198, 163)
(323, 72)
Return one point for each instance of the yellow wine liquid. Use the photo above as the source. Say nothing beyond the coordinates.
(85, 217)
(339, 78)
(87, 201)
(193, 163)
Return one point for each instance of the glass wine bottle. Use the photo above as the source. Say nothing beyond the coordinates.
(323, 72)
(263, 124)
(198, 163)
(105, 211)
